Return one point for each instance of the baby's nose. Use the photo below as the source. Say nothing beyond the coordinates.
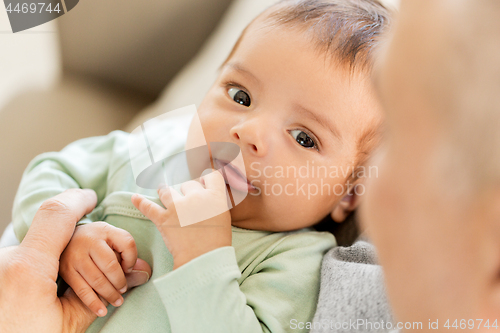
(250, 138)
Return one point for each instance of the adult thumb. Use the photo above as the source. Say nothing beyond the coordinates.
(58, 216)
(141, 273)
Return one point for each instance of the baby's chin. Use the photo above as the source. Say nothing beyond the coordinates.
(254, 223)
(250, 226)
(240, 219)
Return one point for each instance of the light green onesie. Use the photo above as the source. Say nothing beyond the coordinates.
(260, 283)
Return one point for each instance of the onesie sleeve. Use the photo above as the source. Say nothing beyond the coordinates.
(280, 295)
(82, 164)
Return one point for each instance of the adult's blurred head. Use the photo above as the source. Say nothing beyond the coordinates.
(434, 210)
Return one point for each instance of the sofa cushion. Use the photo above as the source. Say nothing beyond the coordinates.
(194, 81)
(139, 45)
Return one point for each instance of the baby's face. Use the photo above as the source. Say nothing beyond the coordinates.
(293, 115)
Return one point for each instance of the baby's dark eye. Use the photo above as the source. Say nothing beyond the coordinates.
(303, 139)
(239, 96)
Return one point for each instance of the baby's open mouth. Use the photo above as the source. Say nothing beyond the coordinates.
(233, 176)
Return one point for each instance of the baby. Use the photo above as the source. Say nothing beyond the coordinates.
(294, 92)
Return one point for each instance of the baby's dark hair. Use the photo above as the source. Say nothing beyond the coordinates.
(347, 30)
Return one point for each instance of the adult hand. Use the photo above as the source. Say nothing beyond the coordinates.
(28, 272)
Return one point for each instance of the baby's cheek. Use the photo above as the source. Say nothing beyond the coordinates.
(311, 194)
(322, 186)
(195, 137)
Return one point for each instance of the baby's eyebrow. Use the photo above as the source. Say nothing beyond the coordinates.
(319, 118)
(237, 67)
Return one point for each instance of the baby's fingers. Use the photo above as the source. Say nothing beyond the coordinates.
(100, 283)
(214, 180)
(86, 294)
(169, 195)
(107, 262)
(124, 244)
(150, 209)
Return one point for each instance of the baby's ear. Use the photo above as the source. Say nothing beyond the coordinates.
(346, 205)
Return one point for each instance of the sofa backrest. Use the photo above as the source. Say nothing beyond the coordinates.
(136, 45)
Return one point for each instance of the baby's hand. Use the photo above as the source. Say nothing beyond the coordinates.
(191, 241)
(90, 264)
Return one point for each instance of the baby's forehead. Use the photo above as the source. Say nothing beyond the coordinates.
(348, 30)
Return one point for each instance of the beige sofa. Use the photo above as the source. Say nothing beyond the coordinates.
(117, 65)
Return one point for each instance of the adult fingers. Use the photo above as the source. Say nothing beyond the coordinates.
(58, 216)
